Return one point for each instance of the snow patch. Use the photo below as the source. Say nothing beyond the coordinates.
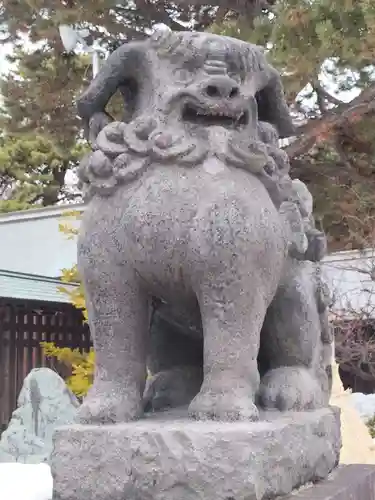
(25, 482)
(364, 404)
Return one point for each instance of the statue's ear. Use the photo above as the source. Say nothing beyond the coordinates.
(127, 69)
(272, 106)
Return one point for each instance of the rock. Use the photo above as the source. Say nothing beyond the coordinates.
(165, 457)
(44, 403)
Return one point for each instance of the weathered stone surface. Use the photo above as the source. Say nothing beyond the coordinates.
(350, 482)
(191, 207)
(190, 202)
(44, 403)
(166, 458)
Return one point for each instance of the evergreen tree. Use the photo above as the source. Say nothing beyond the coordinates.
(310, 42)
(39, 125)
(32, 171)
(325, 51)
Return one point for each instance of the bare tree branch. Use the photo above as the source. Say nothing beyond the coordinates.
(330, 98)
(321, 128)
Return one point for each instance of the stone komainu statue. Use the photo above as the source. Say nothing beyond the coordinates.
(193, 224)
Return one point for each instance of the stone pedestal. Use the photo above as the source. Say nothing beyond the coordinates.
(166, 457)
(348, 482)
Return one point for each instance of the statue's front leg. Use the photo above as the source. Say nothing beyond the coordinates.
(239, 252)
(232, 317)
(118, 317)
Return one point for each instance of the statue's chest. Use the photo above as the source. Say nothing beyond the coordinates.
(164, 209)
(164, 204)
(177, 191)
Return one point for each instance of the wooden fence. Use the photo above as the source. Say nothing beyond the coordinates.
(23, 326)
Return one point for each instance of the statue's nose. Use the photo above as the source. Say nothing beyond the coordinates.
(221, 87)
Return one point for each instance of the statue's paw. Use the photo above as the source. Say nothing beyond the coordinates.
(223, 406)
(290, 388)
(106, 405)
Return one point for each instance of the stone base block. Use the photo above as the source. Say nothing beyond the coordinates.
(165, 457)
(349, 482)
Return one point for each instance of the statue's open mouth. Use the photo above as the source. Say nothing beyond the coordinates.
(208, 116)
